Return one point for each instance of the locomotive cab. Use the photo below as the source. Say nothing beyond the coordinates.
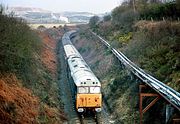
(89, 97)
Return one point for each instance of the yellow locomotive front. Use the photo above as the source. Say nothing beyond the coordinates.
(88, 98)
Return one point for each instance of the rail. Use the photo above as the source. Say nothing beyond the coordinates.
(172, 96)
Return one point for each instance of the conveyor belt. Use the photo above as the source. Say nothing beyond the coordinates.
(172, 96)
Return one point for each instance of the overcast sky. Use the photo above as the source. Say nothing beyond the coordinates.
(94, 6)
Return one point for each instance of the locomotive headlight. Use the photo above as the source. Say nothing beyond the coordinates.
(98, 109)
(80, 109)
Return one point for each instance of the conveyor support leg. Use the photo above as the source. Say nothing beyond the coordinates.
(141, 96)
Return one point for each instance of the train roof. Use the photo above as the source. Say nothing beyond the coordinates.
(80, 71)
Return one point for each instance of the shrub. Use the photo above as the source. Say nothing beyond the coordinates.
(160, 11)
(123, 18)
(107, 18)
(155, 48)
(93, 21)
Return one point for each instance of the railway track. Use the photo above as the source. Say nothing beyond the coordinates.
(93, 119)
(72, 115)
(68, 89)
(88, 120)
(66, 84)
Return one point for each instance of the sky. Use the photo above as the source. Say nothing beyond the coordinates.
(93, 6)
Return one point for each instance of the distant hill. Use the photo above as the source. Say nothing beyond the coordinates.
(38, 15)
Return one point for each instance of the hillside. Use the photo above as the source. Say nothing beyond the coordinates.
(28, 74)
(157, 55)
(149, 36)
(158, 44)
(38, 15)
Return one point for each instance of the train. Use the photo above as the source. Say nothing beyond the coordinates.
(87, 94)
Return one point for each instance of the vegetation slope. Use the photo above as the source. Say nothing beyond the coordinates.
(148, 33)
(28, 74)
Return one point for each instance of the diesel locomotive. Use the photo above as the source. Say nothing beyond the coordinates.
(88, 95)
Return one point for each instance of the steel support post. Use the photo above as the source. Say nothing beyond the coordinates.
(141, 96)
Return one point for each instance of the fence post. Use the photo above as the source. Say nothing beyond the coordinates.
(152, 19)
(164, 19)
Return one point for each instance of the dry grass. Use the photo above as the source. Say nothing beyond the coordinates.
(158, 26)
(17, 104)
(20, 106)
(48, 55)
